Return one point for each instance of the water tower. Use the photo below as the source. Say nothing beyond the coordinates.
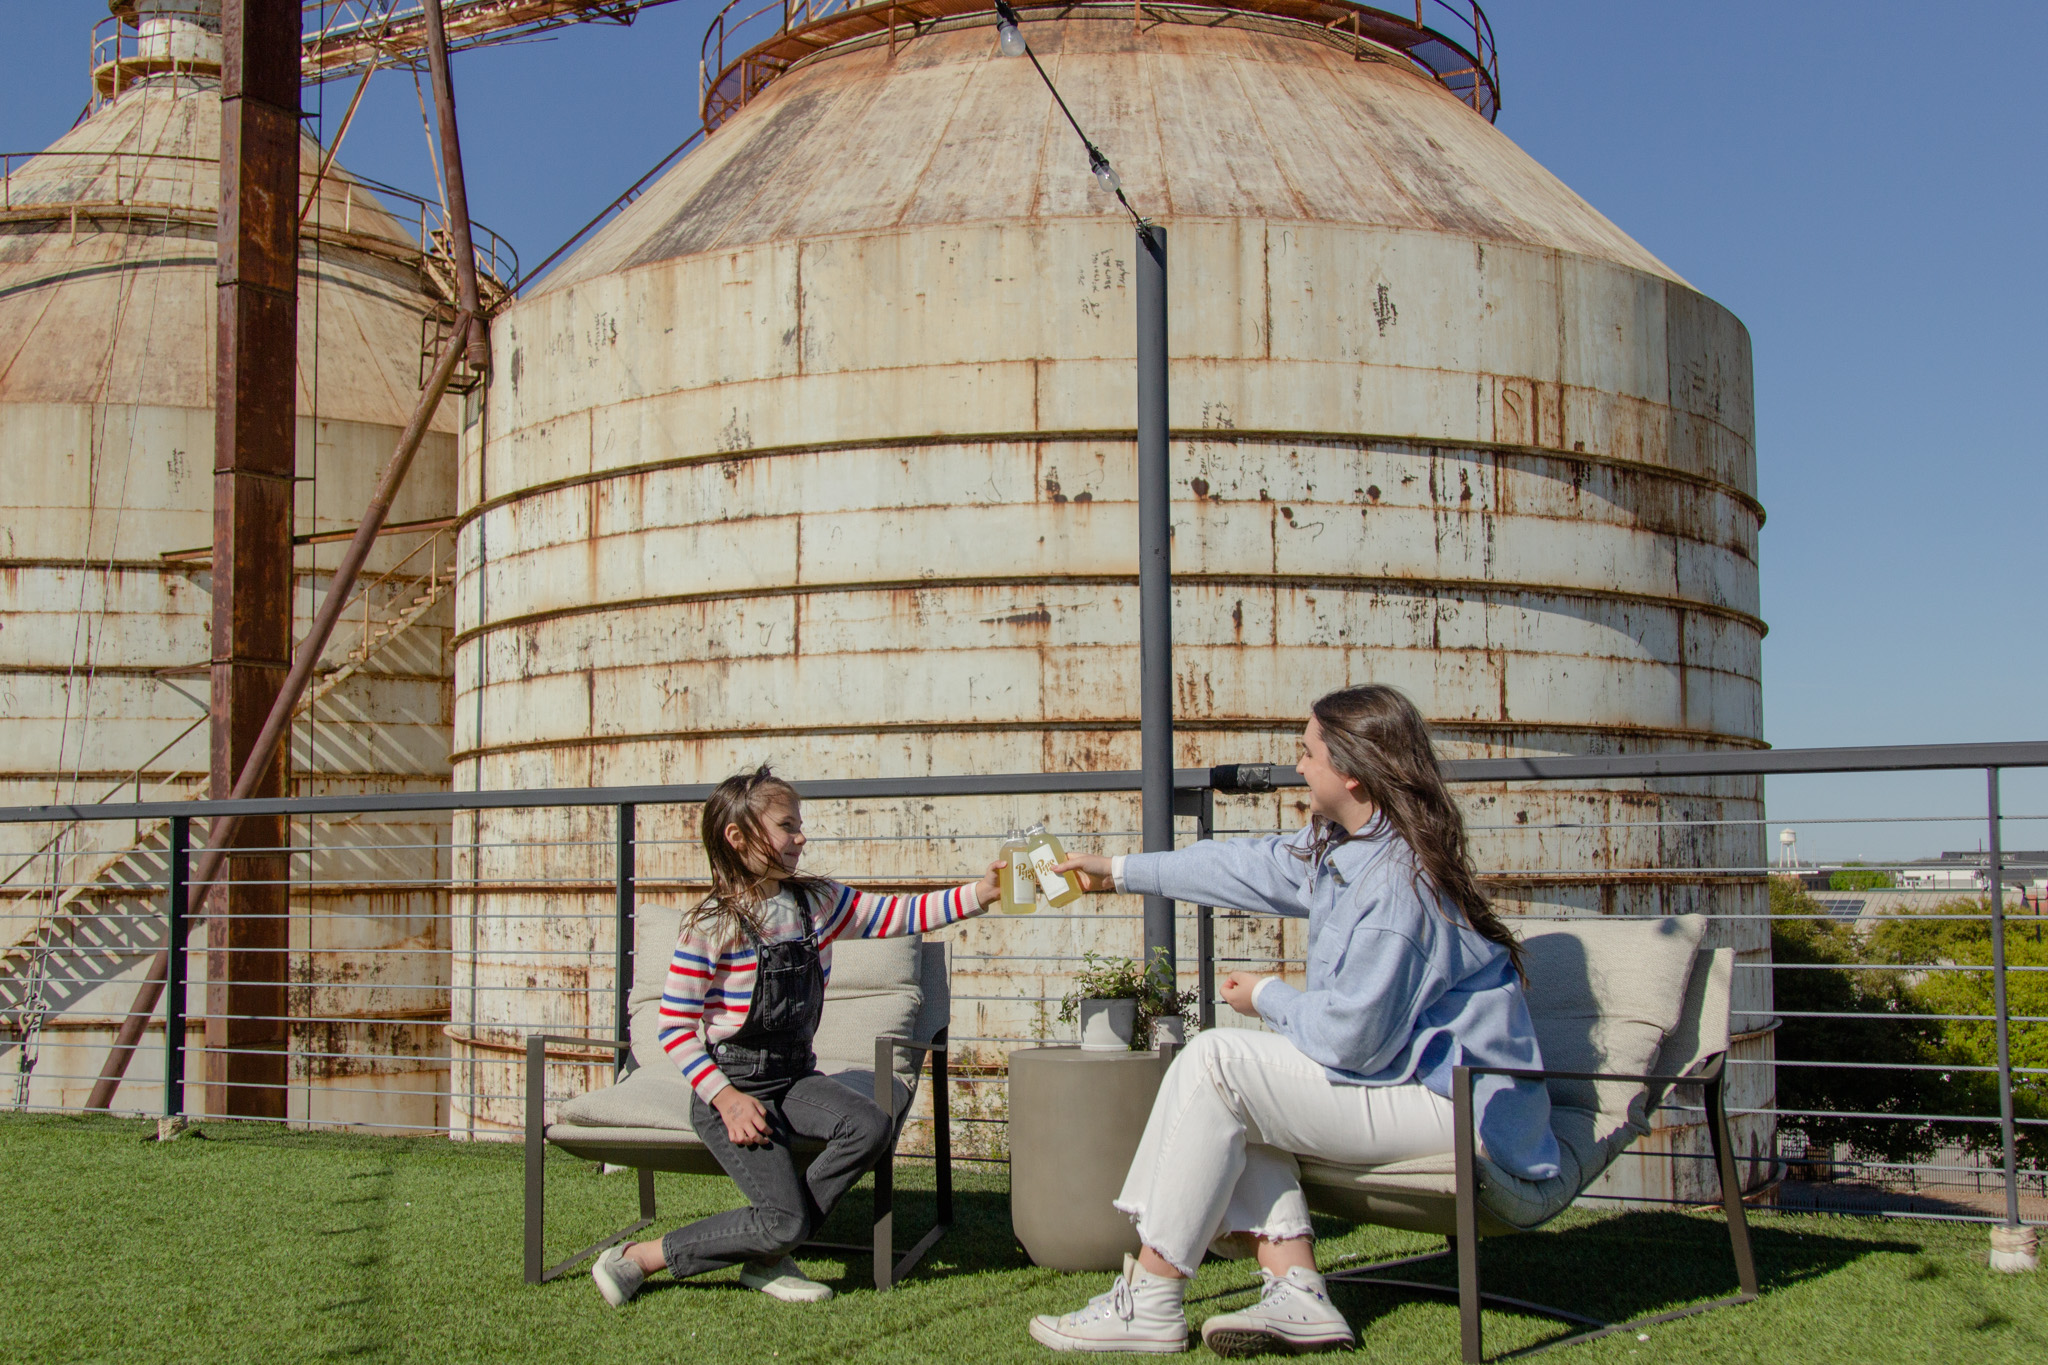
(822, 451)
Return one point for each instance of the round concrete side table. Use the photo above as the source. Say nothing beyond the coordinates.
(1075, 1121)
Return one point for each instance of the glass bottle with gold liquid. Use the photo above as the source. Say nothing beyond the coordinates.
(1060, 888)
(1020, 886)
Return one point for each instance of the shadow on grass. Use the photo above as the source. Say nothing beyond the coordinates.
(1623, 1267)
(980, 1239)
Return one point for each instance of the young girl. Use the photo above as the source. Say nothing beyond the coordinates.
(744, 993)
(1410, 973)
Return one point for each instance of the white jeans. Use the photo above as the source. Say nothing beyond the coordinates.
(1236, 1107)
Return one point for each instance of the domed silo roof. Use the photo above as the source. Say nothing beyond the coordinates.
(108, 271)
(822, 451)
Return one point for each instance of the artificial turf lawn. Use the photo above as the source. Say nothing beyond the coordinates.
(257, 1243)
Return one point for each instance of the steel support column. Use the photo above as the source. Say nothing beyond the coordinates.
(622, 927)
(254, 446)
(1155, 578)
(2001, 1007)
(479, 341)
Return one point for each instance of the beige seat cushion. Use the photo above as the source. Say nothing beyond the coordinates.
(1603, 993)
(657, 1097)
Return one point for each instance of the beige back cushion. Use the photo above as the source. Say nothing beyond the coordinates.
(1603, 994)
(875, 990)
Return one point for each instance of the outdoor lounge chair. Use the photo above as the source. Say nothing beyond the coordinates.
(1624, 1010)
(887, 1007)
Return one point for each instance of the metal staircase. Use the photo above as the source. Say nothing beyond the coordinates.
(87, 925)
(428, 592)
(94, 912)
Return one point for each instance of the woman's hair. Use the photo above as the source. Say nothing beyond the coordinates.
(1376, 736)
(732, 908)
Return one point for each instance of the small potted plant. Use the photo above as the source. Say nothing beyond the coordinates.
(1116, 1001)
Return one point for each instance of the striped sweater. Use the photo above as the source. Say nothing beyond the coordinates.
(710, 984)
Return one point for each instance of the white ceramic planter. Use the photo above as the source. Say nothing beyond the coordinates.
(1107, 1025)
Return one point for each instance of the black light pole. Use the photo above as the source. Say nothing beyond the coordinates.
(1155, 582)
(1155, 523)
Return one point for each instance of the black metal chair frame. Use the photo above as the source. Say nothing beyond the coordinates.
(889, 1268)
(1464, 1244)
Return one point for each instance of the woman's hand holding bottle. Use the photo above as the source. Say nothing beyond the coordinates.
(1091, 870)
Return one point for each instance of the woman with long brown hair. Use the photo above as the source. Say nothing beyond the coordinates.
(1410, 974)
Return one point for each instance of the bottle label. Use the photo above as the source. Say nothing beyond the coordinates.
(1042, 863)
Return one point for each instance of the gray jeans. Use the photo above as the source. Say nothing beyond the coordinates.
(788, 1205)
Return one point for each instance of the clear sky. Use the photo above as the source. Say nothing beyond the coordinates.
(1859, 180)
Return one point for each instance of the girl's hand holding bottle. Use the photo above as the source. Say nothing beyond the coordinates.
(989, 889)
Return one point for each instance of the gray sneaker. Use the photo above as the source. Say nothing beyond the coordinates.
(1294, 1313)
(783, 1280)
(618, 1278)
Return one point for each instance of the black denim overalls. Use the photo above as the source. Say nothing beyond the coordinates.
(772, 1050)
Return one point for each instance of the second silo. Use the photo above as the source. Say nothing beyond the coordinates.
(108, 310)
(822, 452)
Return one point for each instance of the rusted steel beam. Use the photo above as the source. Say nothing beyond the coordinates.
(267, 753)
(255, 417)
(403, 35)
(458, 196)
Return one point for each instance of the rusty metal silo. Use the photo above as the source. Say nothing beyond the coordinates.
(107, 318)
(822, 452)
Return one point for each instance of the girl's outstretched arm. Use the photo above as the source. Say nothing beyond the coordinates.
(862, 914)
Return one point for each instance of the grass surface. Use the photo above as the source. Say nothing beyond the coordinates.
(261, 1244)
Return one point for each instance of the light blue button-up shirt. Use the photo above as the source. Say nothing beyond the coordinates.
(1400, 987)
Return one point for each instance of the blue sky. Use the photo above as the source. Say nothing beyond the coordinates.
(1860, 183)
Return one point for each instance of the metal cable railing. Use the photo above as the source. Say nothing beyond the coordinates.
(415, 940)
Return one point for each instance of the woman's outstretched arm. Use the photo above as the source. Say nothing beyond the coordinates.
(1265, 875)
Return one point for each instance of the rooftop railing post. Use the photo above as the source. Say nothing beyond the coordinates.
(1999, 1006)
(1155, 581)
(177, 900)
(622, 931)
(1205, 922)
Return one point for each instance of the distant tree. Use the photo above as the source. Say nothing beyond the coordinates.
(1856, 877)
(1862, 1025)
(1912, 1066)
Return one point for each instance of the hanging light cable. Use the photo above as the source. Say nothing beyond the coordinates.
(1010, 38)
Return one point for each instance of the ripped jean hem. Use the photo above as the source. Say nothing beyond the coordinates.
(1272, 1233)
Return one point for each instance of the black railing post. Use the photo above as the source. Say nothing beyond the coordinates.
(1205, 923)
(1999, 1006)
(622, 930)
(176, 907)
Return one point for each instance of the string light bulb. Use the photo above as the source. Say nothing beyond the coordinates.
(1105, 174)
(1008, 35)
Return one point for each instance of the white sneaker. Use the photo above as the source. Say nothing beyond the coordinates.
(1294, 1313)
(783, 1280)
(618, 1279)
(1140, 1312)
